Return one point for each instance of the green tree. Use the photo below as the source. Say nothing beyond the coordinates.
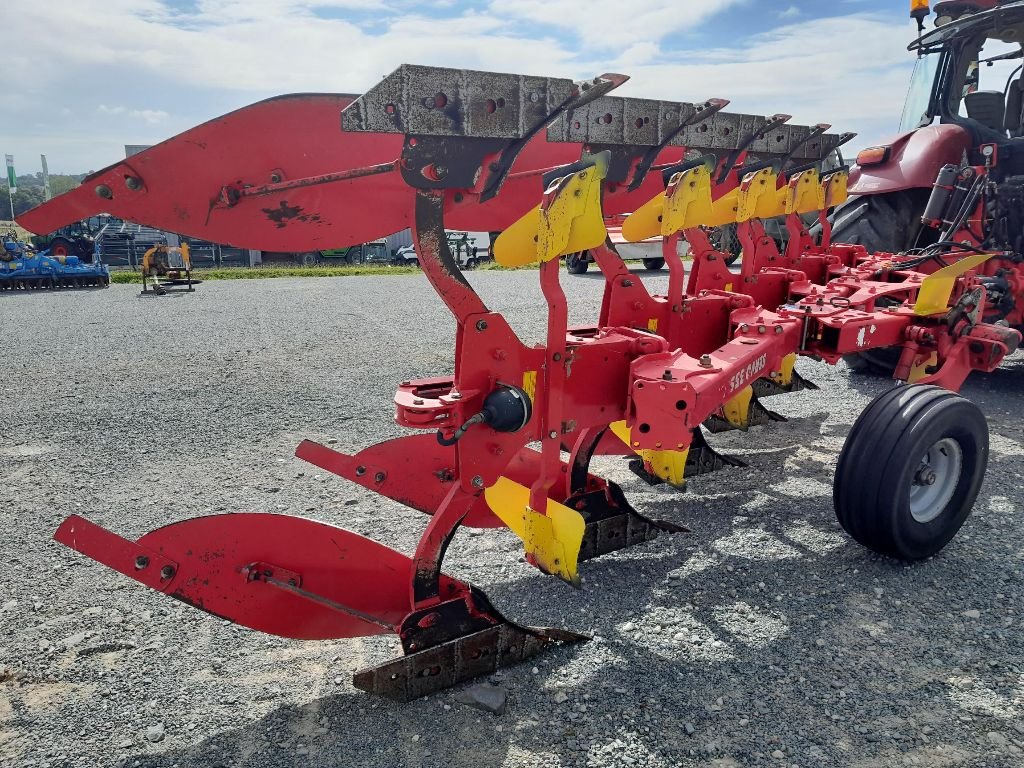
(30, 191)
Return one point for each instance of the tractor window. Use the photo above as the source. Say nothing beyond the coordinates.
(916, 110)
(990, 76)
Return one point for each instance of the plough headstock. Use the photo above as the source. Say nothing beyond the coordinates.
(430, 146)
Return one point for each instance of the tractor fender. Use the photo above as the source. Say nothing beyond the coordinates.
(914, 160)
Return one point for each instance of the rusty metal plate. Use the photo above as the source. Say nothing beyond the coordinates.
(819, 147)
(721, 131)
(438, 101)
(626, 121)
(464, 658)
(780, 140)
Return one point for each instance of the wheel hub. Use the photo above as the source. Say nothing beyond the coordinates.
(936, 480)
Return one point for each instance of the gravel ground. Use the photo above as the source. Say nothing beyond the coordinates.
(764, 637)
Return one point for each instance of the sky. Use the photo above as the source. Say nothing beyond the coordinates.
(82, 78)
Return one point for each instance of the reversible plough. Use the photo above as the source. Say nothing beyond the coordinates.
(507, 440)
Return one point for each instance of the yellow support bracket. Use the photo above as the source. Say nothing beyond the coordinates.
(804, 193)
(919, 370)
(737, 409)
(784, 375)
(757, 196)
(667, 465)
(551, 539)
(687, 200)
(569, 220)
(645, 221)
(933, 298)
(836, 188)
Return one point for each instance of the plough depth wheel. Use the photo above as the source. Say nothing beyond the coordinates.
(910, 471)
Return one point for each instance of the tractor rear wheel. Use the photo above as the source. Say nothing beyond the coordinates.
(657, 263)
(576, 263)
(892, 223)
(911, 470)
(62, 246)
(889, 222)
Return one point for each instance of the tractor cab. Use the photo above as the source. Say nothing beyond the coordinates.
(968, 72)
(964, 108)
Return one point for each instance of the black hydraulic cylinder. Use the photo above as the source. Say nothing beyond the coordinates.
(938, 202)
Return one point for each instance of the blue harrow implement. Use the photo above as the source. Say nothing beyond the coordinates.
(21, 269)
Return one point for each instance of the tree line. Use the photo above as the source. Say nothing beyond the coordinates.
(30, 190)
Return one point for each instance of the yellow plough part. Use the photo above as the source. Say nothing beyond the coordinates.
(737, 409)
(804, 193)
(569, 221)
(685, 204)
(784, 375)
(919, 370)
(933, 298)
(836, 188)
(757, 197)
(760, 197)
(645, 221)
(669, 466)
(551, 538)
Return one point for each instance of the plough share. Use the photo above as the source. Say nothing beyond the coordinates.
(508, 439)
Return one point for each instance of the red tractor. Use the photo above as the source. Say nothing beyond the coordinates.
(954, 175)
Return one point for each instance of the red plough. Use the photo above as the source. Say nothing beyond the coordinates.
(511, 433)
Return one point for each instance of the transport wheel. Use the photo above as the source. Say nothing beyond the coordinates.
(910, 471)
(654, 263)
(309, 259)
(576, 263)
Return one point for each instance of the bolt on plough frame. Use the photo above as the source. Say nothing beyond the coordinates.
(428, 147)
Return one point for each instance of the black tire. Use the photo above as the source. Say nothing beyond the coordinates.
(63, 246)
(85, 249)
(356, 257)
(725, 240)
(890, 222)
(887, 460)
(309, 259)
(576, 263)
(657, 263)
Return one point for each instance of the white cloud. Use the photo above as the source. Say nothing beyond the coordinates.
(791, 12)
(609, 24)
(850, 70)
(151, 116)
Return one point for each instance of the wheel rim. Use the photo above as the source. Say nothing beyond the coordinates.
(935, 480)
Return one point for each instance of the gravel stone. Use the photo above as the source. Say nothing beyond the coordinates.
(490, 698)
